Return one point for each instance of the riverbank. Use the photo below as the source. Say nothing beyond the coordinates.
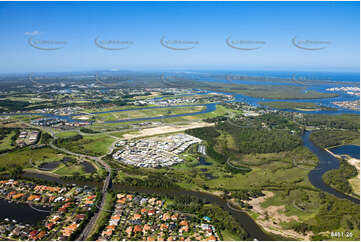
(270, 218)
(355, 181)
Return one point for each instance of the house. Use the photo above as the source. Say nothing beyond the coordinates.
(183, 229)
(32, 234)
(137, 216)
(137, 228)
(107, 233)
(146, 228)
(174, 217)
(163, 227)
(80, 216)
(49, 226)
(122, 200)
(129, 231)
(34, 198)
(19, 195)
(212, 238)
(41, 235)
(183, 223)
(165, 217)
(129, 197)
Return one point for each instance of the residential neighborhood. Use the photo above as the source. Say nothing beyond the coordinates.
(154, 152)
(67, 208)
(136, 217)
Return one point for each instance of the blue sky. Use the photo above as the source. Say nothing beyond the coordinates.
(208, 23)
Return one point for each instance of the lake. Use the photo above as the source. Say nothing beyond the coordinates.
(22, 212)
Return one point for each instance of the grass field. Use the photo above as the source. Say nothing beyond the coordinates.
(63, 170)
(24, 156)
(5, 143)
(66, 134)
(95, 145)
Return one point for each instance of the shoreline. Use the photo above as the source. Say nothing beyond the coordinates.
(354, 162)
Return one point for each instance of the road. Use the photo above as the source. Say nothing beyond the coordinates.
(93, 221)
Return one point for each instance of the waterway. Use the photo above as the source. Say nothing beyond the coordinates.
(326, 162)
(351, 150)
(241, 217)
(22, 212)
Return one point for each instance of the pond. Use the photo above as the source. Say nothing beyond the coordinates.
(88, 167)
(49, 166)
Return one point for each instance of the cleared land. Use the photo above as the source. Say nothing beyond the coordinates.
(165, 129)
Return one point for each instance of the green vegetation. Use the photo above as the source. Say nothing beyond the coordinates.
(344, 121)
(88, 131)
(338, 178)
(329, 138)
(12, 105)
(295, 105)
(6, 140)
(66, 134)
(261, 91)
(25, 157)
(95, 145)
(103, 216)
(244, 140)
(70, 170)
(113, 116)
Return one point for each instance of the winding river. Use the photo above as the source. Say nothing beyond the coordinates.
(326, 162)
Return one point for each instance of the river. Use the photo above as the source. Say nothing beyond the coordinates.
(326, 162)
(242, 218)
(351, 150)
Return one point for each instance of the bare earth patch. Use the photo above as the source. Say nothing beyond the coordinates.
(166, 129)
(270, 218)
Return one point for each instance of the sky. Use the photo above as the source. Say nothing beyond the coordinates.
(325, 35)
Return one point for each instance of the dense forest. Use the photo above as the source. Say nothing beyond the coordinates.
(329, 138)
(339, 178)
(345, 121)
(65, 141)
(153, 180)
(247, 140)
(12, 105)
(254, 140)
